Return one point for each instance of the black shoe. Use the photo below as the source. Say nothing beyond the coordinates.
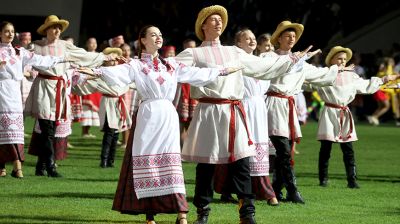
(279, 196)
(323, 183)
(40, 172)
(295, 197)
(103, 164)
(248, 220)
(353, 185)
(202, 215)
(110, 163)
(52, 172)
(227, 198)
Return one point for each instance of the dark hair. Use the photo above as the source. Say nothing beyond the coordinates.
(142, 34)
(4, 24)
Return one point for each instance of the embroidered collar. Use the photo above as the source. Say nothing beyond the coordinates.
(214, 43)
(147, 57)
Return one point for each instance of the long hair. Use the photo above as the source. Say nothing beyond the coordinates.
(142, 34)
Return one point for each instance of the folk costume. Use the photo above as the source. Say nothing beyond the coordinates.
(11, 109)
(336, 123)
(151, 180)
(218, 133)
(47, 100)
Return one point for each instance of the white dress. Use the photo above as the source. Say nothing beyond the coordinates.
(11, 74)
(256, 116)
(156, 158)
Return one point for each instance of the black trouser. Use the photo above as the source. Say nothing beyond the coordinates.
(47, 135)
(240, 184)
(283, 174)
(109, 144)
(348, 159)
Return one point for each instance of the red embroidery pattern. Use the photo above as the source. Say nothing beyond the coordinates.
(156, 161)
(6, 121)
(160, 80)
(157, 182)
(261, 151)
(259, 167)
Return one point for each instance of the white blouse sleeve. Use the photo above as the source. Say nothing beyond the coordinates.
(121, 75)
(196, 76)
(265, 67)
(38, 61)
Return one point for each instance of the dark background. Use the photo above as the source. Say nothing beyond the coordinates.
(176, 18)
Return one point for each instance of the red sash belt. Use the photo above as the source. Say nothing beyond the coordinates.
(292, 129)
(59, 88)
(344, 110)
(121, 107)
(232, 121)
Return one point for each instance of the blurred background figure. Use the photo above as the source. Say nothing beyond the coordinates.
(385, 97)
(90, 102)
(169, 51)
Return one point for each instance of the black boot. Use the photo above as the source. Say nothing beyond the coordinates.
(323, 171)
(323, 162)
(277, 183)
(105, 151)
(202, 215)
(40, 167)
(51, 169)
(247, 211)
(290, 183)
(350, 164)
(351, 177)
(113, 148)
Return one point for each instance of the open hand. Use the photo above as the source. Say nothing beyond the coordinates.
(230, 70)
(301, 54)
(86, 71)
(312, 53)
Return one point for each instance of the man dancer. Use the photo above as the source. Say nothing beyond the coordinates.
(218, 132)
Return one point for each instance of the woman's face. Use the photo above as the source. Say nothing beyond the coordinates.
(248, 42)
(91, 44)
(265, 46)
(153, 39)
(7, 34)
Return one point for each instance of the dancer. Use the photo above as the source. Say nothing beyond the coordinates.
(154, 156)
(336, 124)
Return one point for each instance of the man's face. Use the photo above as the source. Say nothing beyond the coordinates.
(212, 26)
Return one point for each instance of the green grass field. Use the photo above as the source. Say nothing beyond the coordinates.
(85, 193)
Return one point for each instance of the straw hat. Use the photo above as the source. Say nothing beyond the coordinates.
(284, 25)
(205, 13)
(50, 21)
(110, 50)
(336, 50)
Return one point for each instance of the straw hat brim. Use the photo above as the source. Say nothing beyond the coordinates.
(205, 13)
(299, 28)
(110, 50)
(42, 29)
(336, 50)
